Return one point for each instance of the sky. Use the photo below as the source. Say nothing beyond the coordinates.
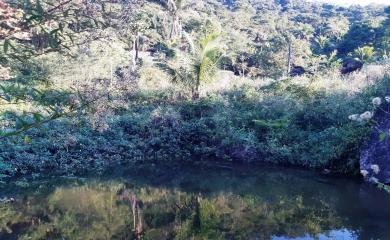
(350, 2)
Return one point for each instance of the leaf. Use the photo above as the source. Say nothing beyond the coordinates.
(96, 22)
(20, 123)
(37, 91)
(39, 8)
(382, 137)
(54, 31)
(71, 39)
(6, 45)
(271, 123)
(26, 139)
(37, 117)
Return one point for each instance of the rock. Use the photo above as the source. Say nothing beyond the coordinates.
(375, 155)
(351, 65)
(298, 71)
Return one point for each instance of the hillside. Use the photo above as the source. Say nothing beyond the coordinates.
(192, 82)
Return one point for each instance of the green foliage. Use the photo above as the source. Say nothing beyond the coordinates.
(109, 117)
(38, 27)
(360, 34)
(322, 42)
(199, 66)
(365, 53)
(285, 123)
(271, 124)
(42, 21)
(6, 169)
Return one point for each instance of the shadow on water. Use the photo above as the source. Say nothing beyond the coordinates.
(240, 203)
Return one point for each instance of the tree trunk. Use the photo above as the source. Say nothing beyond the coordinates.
(176, 27)
(135, 56)
(195, 90)
(136, 42)
(289, 58)
(195, 93)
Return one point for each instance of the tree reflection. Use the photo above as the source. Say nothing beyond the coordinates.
(112, 210)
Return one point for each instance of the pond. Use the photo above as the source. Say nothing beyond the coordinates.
(241, 203)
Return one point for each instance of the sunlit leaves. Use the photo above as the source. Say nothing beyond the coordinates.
(365, 53)
(200, 64)
(322, 42)
(382, 137)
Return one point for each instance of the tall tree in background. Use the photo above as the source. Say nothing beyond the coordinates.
(132, 24)
(174, 7)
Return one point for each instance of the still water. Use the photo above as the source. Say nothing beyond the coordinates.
(244, 203)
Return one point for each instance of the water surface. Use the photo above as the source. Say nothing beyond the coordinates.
(244, 203)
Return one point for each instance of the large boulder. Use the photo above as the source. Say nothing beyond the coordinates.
(375, 156)
(351, 65)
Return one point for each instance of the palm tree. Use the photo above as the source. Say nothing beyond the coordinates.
(322, 42)
(365, 53)
(197, 66)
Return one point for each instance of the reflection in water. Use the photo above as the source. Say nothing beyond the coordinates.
(264, 203)
(333, 234)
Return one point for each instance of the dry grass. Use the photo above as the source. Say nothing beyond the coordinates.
(98, 61)
(333, 81)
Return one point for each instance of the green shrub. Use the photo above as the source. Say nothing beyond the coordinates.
(287, 123)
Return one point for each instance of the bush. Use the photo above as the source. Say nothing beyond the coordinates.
(302, 122)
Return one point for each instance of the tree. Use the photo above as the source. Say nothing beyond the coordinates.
(289, 57)
(322, 42)
(336, 27)
(365, 53)
(131, 22)
(360, 34)
(198, 66)
(174, 7)
(29, 29)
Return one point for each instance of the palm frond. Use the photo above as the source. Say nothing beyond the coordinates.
(197, 66)
(212, 53)
(176, 74)
(209, 39)
(189, 41)
(208, 69)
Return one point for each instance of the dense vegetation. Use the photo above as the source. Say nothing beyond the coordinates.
(86, 85)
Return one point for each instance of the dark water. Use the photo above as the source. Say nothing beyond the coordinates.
(245, 203)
